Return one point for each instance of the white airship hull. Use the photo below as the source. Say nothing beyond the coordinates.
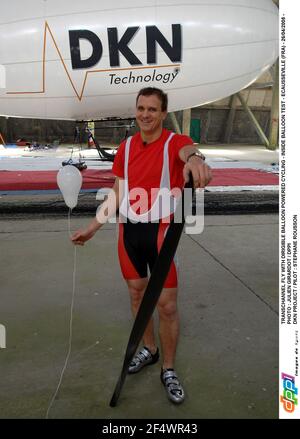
(198, 52)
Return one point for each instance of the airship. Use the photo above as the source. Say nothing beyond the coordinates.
(87, 60)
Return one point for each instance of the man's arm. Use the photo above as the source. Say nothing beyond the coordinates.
(196, 165)
(107, 209)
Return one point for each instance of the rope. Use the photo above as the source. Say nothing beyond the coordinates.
(70, 323)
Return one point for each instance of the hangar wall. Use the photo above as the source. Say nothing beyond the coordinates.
(213, 121)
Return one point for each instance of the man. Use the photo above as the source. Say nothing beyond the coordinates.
(152, 160)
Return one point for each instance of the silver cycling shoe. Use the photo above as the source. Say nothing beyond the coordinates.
(143, 358)
(172, 385)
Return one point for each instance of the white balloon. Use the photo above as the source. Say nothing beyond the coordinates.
(69, 180)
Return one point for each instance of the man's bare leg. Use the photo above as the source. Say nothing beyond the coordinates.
(136, 289)
(168, 325)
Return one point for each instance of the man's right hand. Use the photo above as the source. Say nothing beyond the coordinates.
(81, 236)
(110, 204)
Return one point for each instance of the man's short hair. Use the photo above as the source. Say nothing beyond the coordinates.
(148, 91)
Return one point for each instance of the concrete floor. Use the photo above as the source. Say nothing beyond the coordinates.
(241, 153)
(228, 352)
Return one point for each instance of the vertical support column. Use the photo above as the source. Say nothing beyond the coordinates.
(175, 122)
(255, 123)
(230, 119)
(186, 121)
(91, 127)
(9, 133)
(274, 117)
(91, 135)
(205, 127)
(3, 129)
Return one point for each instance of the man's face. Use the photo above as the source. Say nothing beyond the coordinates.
(149, 115)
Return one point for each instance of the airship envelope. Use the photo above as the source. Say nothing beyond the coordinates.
(84, 60)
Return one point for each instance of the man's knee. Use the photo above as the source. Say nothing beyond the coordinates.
(168, 310)
(136, 294)
(136, 290)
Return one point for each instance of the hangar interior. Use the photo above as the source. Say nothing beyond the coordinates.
(228, 354)
(243, 118)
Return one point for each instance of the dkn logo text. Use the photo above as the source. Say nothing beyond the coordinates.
(119, 44)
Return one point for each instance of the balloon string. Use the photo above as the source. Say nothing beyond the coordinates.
(69, 223)
(70, 324)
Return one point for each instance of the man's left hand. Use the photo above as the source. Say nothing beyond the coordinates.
(201, 172)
